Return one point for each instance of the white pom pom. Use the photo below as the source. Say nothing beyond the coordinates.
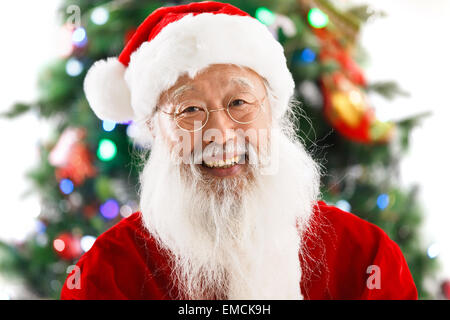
(107, 92)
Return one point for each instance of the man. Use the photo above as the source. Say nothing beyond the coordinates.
(229, 203)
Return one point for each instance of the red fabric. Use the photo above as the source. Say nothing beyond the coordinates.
(161, 17)
(124, 262)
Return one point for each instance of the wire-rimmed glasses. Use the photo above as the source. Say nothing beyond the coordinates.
(192, 115)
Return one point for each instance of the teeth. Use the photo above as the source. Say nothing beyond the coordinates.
(222, 164)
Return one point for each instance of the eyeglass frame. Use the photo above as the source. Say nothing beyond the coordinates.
(260, 102)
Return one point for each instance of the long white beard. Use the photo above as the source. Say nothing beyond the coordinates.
(238, 238)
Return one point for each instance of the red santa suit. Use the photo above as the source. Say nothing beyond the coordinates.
(348, 258)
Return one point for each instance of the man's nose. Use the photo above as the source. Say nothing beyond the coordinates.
(220, 127)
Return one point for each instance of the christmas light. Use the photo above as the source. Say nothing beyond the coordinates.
(132, 131)
(344, 205)
(125, 211)
(107, 150)
(433, 251)
(307, 55)
(76, 199)
(66, 186)
(59, 245)
(308, 89)
(40, 226)
(317, 18)
(87, 242)
(265, 16)
(74, 67)
(383, 201)
(108, 125)
(109, 209)
(79, 37)
(99, 16)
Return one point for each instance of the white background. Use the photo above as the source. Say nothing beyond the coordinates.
(410, 46)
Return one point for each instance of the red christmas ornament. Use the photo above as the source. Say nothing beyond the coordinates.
(72, 157)
(79, 166)
(445, 287)
(67, 246)
(346, 106)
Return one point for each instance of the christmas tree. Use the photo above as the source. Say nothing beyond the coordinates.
(87, 174)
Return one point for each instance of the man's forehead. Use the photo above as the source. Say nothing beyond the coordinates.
(238, 82)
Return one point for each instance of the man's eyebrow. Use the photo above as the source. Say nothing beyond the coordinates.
(243, 82)
(179, 91)
(187, 87)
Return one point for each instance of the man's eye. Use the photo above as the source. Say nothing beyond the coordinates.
(190, 110)
(237, 103)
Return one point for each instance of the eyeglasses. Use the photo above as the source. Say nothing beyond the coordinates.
(192, 116)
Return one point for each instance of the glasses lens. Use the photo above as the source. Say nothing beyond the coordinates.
(191, 117)
(244, 107)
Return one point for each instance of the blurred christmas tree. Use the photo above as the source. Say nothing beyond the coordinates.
(87, 177)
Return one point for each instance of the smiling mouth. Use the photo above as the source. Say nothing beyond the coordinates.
(224, 164)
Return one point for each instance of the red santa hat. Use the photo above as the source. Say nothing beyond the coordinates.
(184, 39)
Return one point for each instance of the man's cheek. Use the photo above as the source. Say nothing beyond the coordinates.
(181, 146)
(269, 152)
(258, 143)
(196, 146)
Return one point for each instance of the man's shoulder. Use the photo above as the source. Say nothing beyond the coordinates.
(341, 224)
(127, 238)
(116, 266)
(346, 235)
(344, 249)
(128, 227)
(131, 223)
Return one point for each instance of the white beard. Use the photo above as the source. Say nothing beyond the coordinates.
(239, 238)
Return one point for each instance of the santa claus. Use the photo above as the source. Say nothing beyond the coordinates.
(229, 198)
